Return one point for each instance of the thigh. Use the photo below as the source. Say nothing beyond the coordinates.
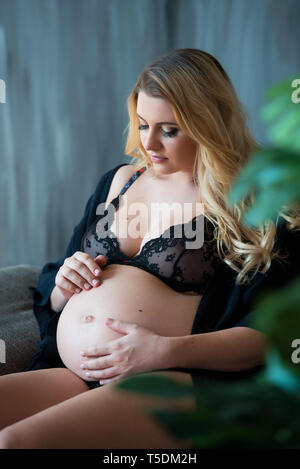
(104, 417)
(29, 392)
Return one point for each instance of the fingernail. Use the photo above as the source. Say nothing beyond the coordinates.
(82, 366)
(82, 354)
(78, 290)
(95, 282)
(96, 271)
(88, 374)
(87, 286)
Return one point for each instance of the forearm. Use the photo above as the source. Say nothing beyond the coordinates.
(57, 300)
(234, 349)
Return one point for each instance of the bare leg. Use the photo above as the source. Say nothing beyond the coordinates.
(25, 394)
(104, 417)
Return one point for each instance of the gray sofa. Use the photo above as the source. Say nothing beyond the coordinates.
(19, 332)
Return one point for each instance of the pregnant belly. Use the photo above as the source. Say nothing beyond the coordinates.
(129, 294)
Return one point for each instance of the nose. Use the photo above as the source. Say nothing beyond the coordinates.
(151, 141)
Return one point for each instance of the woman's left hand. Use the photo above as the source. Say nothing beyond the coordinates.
(138, 351)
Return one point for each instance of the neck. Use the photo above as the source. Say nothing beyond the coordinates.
(182, 178)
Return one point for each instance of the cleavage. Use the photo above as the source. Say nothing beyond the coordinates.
(132, 229)
(132, 245)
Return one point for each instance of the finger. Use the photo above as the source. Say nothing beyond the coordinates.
(110, 380)
(94, 351)
(100, 260)
(66, 285)
(93, 266)
(79, 273)
(110, 373)
(122, 327)
(68, 294)
(97, 363)
(70, 280)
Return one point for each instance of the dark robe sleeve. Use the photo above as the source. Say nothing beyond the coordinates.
(226, 304)
(279, 275)
(47, 354)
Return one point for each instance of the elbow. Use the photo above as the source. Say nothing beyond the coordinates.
(256, 350)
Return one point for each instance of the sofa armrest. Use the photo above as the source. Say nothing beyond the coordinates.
(19, 331)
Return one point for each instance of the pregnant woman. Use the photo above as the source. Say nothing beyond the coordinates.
(140, 270)
(126, 297)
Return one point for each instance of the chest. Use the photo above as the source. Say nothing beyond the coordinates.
(148, 210)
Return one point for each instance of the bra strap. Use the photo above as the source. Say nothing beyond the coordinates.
(132, 179)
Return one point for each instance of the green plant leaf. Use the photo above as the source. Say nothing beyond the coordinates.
(277, 315)
(282, 88)
(278, 373)
(268, 204)
(231, 416)
(284, 128)
(274, 108)
(282, 115)
(261, 164)
(273, 174)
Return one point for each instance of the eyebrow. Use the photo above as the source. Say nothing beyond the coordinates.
(159, 123)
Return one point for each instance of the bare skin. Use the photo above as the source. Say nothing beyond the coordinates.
(55, 409)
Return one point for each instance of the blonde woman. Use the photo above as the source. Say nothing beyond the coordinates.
(158, 276)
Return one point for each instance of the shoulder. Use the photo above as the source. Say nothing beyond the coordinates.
(121, 176)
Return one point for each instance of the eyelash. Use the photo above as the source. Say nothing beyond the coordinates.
(170, 134)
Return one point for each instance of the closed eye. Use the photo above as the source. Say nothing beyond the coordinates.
(165, 133)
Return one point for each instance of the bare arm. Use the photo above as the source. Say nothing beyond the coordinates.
(57, 300)
(234, 349)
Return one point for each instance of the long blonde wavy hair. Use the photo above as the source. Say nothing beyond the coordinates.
(207, 109)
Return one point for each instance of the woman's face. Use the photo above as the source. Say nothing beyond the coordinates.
(161, 136)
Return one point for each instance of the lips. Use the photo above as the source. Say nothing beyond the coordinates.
(158, 159)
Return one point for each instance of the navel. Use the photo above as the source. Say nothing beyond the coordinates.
(87, 318)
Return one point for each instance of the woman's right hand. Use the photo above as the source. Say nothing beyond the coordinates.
(78, 273)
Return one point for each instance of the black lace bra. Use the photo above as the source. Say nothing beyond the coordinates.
(166, 257)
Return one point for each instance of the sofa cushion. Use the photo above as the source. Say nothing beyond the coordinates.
(19, 331)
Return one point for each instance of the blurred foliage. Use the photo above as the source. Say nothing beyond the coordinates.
(263, 411)
(257, 414)
(273, 171)
(277, 315)
(273, 174)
